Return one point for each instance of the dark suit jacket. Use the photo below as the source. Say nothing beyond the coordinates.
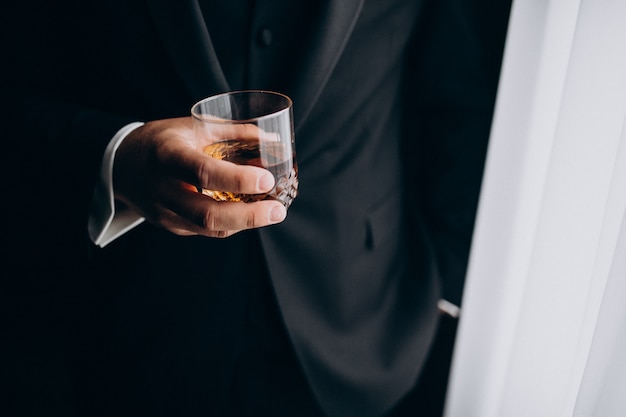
(393, 101)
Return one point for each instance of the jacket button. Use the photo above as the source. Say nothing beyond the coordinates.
(264, 37)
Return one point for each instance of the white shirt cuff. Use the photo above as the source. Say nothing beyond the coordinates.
(449, 309)
(105, 224)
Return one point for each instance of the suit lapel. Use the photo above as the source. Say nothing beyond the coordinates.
(185, 36)
(188, 43)
(334, 29)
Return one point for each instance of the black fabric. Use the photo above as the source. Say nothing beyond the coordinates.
(267, 368)
(428, 397)
(334, 309)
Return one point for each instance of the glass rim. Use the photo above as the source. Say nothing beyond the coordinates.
(198, 116)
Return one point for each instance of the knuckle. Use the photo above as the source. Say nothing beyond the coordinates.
(205, 172)
(251, 221)
(238, 182)
(217, 234)
(242, 129)
(209, 221)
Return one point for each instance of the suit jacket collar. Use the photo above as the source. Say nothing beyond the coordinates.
(186, 38)
(334, 29)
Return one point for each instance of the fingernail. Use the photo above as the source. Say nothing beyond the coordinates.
(278, 214)
(266, 182)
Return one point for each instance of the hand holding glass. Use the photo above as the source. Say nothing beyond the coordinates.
(253, 127)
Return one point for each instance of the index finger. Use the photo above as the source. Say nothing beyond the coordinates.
(215, 130)
(201, 170)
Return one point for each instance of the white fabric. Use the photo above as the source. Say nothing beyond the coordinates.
(604, 381)
(540, 316)
(105, 223)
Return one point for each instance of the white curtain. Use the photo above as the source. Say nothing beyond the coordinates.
(543, 326)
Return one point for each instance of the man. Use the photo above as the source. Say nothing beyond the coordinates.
(233, 309)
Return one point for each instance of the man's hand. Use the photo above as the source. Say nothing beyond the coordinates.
(158, 167)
